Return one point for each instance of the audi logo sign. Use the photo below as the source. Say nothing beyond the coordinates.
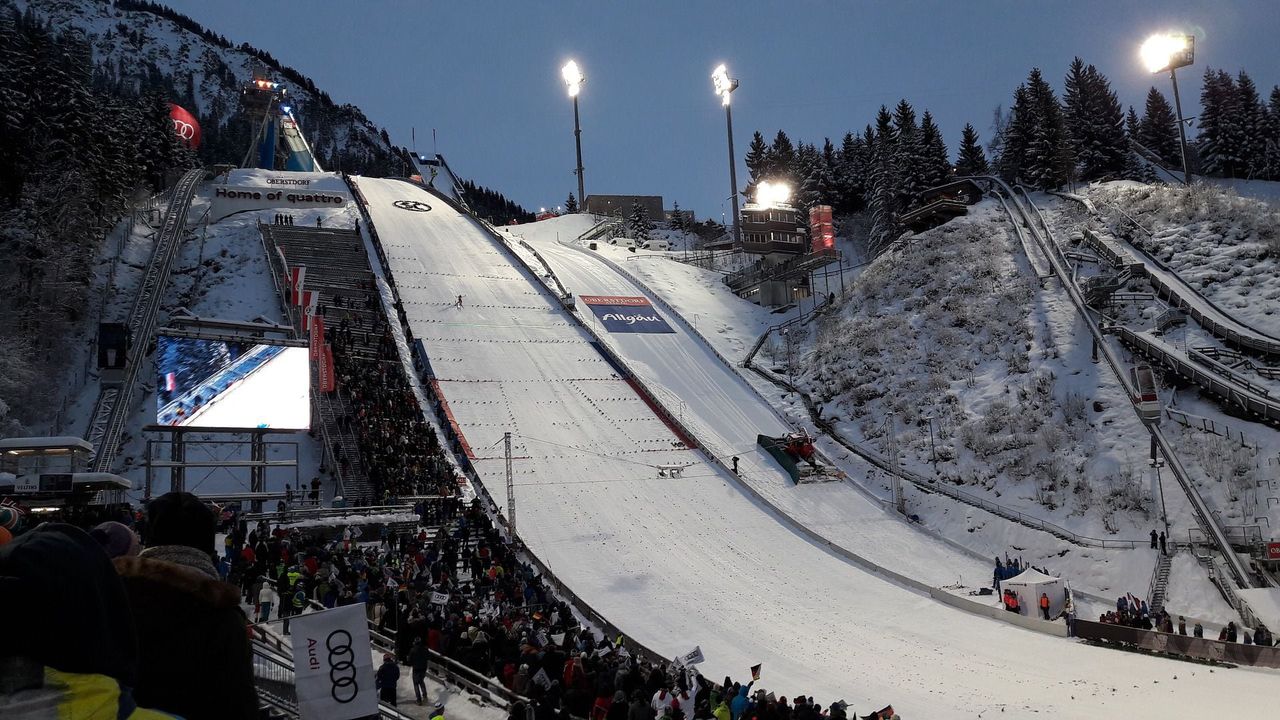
(185, 126)
(333, 666)
(342, 667)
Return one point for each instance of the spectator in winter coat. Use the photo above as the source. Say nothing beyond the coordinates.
(721, 710)
(265, 597)
(386, 678)
(1198, 630)
(182, 610)
(520, 683)
(73, 653)
(418, 658)
(740, 704)
(639, 708)
(619, 708)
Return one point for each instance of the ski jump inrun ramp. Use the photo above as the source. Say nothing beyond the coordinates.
(692, 560)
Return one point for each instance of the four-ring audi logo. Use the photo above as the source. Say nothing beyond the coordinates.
(183, 129)
(342, 667)
(412, 205)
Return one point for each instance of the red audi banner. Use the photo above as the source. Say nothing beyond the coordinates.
(309, 299)
(317, 336)
(327, 381)
(297, 276)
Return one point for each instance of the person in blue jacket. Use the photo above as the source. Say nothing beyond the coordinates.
(739, 705)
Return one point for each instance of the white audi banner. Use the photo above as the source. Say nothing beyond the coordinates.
(332, 665)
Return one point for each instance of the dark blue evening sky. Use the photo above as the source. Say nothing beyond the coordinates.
(486, 74)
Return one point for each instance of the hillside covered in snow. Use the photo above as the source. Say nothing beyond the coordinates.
(139, 46)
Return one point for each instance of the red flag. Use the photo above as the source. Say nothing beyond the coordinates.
(317, 336)
(327, 382)
(170, 382)
(297, 277)
(309, 298)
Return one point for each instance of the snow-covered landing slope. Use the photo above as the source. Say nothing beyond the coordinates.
(679, 562)
(726, 413)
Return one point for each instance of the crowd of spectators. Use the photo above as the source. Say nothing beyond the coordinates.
(398, 450)
(1134, 612)
(466, 595)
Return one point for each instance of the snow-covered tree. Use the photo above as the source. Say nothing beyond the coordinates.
(935, 163)
(883, 185)
(1220, 140)
(758, 161)
(1048, 157)
(1252, 119)
(1016, 137)
(851, 173)
(1136, 167)
(571, 204)
(972, 161)
(1272, 136)
(677, 218)
(639, 224)
(1094, 123)
(1158, 131)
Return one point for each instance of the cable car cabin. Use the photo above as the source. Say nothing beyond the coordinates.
(1145, 398)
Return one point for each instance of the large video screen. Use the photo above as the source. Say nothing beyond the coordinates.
(213, 383)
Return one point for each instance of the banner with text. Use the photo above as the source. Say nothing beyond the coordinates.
(623, 314)
(333, 668)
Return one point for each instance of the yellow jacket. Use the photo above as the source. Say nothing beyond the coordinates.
(75, 696)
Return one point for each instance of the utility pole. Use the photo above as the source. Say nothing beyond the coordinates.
(511, 488)
(933, 449)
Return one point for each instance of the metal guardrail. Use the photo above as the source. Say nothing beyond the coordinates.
(1182, 645)
(1047, 245)
(112, 406)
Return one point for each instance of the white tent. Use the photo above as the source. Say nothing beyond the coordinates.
(1030, 584)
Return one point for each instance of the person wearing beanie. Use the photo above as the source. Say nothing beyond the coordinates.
(183, 610)
(73, 653)
(116, 539)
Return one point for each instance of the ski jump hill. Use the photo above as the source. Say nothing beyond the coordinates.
(694, 559)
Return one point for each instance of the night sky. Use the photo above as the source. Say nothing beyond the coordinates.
(486, 75)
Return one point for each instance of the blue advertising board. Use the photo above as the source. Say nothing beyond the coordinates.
(621, 314)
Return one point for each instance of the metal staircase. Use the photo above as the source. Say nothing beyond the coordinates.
(1159, 582)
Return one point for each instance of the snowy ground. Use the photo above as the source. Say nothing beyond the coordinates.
(694, 561)
(735, 324)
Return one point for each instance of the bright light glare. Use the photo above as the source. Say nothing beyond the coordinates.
(573, 77)
(769, 194)
(723, 85)
(1158, 51)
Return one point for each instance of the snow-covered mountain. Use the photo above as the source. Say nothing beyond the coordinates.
(141, 46)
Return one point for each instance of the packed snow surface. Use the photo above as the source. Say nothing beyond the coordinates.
(691, 560)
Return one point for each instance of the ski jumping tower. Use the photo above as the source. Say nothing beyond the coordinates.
(276, 133)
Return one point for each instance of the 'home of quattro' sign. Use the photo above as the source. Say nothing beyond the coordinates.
(226, 193)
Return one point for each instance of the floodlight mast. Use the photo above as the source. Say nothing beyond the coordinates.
(573, 79)
(1170, 51)
(724, 87)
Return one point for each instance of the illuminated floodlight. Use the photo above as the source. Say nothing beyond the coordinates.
(1168, 51)
(723, 84)
(770, 194)
(286, 109)
(573, 77)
